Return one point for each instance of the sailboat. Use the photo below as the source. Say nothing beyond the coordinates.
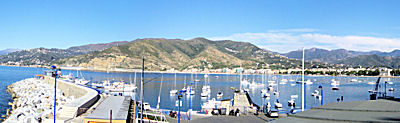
(159, 93)
(206, 90)
(82, 80)
(184, 85)
(174, 91)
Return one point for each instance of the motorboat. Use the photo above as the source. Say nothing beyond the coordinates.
(291, 102)
(204, 94)
(315, 93)
(307, 82)
(263, 91)
(266, 95)
(391, 89)
(273, 113)
(353, 80)
(371, 83)
(220, 94)
(276, 92)
(335, 88)
(294, 96)
(277, 104)
(173, 91)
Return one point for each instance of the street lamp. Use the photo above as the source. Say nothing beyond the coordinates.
(179, 106)
(55, 90)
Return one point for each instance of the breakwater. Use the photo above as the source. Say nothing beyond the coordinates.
(33, 100)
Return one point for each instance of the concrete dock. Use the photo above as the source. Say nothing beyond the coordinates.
(359, 111)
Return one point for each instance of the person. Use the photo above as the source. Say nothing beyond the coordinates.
(341, 98)
(39, 119)
(338, 99)
(237, 112)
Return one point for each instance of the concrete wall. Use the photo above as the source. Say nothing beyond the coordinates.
(84, 97)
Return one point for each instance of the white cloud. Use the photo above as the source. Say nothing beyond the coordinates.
(292, 39)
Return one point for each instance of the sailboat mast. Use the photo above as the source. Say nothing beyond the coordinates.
(175, 82)
(141, 89)
(302, 84)
(159, 93)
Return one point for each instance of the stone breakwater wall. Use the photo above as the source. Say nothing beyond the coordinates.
(33, 100)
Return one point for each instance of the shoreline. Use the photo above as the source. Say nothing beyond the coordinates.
(136, 70)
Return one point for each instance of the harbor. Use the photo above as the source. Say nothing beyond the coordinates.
(208, 96)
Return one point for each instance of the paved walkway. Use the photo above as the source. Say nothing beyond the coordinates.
(358, 111)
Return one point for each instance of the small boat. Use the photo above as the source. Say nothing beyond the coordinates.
(270, 88)
(292, 84)
(276, 92)
(173, 91)
(308, 82)
(335, 88)
(282, 83)
(284, 80)
(391, 89)
(371, 83)
(277, 104)
(315, 93)
(263, 91)
(204, 94)
(353, 80)
(291, 102)
(220, 94)
(266, 95)
(294, 96)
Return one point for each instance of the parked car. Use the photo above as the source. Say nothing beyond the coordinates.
(273, 113)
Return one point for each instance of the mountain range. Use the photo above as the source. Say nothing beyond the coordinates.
(45, 56)
(348, 57)
(163, 54)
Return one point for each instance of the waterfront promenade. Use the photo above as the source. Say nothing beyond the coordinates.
(358, 111)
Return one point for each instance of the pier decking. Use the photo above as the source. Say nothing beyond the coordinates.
(359, 111)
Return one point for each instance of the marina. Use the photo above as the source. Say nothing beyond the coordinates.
(283, 97)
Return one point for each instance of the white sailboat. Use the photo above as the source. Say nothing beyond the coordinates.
(174, 91)
(80, 81)
(159, 93)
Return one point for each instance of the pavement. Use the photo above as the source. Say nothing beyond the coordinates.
(359, 111)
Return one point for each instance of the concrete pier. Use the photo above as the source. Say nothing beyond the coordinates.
(359, 111)
(84, 98)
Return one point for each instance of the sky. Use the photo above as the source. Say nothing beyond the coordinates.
(276, 25)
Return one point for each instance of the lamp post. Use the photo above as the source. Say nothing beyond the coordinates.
(55, 90)
(322, 95)
(385, 89)
(179, 106)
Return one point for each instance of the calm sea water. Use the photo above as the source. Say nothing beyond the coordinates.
(351, 91)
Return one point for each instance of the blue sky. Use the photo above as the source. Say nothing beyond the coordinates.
(276, 25)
